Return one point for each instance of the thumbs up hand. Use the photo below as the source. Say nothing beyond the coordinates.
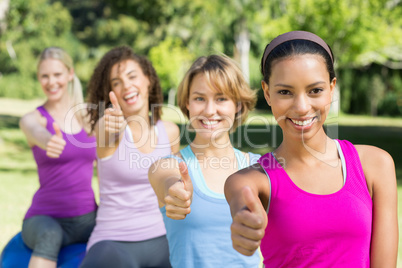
(114, 119)
(56, 144)
(249, 223)
(179, 196)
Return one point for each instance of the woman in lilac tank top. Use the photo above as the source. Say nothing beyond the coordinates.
(129, 229)
(63, 208)
(313, 201)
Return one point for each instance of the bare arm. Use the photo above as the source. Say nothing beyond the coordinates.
(172, 186)
(36, 133)
(35, 130)
(247, 193)
(379, 170)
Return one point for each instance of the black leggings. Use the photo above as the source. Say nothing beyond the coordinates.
(149, 253)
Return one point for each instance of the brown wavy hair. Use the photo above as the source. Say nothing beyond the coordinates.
(100, 86)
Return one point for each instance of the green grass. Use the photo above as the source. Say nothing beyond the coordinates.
(18, 177)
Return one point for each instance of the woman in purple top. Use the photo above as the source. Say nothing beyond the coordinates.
(63, 208)
(129, 229)
(314, 201)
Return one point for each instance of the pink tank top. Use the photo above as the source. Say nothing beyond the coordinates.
(128, 208)
(65, 183)
(311, 230)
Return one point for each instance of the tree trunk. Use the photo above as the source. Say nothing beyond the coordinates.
(4, 5)
(243, 47)
(172, 96)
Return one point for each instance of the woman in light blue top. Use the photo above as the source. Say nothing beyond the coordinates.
(189, 185)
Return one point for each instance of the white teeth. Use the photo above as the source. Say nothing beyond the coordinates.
(53, 89)
(129, 96)
(209, 122)
(302, 123)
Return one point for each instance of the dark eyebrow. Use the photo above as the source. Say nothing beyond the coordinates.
(116, 78)
(130, 72)
(311, 85)
(282, 85)
(316, 84)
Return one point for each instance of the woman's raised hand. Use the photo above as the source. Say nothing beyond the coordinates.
(179, 196)
(113, 118)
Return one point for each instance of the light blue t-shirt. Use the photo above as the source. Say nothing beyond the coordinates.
(203, 238)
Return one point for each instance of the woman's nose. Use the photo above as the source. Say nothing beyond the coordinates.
(210, 108)
(302, 104)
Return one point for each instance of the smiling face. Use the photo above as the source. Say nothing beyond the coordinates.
(300, 93)
(211, 112)
(54, 77)
(131, 87)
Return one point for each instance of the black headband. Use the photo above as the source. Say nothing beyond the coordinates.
(295, 35)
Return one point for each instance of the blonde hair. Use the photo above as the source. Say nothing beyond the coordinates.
(224, 75)
(74, 86)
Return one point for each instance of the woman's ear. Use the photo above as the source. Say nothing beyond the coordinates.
(265, 89)
(332, 87)
(71, 75)
(238, 113)
(239, 106)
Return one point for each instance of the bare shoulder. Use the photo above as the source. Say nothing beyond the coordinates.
(173, 133)
(254, 177)
(171, 128)
(163, 167)
(378, 167)
(253, 172)
(374, 156)
(32, 118)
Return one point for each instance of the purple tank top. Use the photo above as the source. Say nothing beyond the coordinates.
(311, 230)
(65, 183)
(128, 208)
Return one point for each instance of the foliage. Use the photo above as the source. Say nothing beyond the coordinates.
(363, 35)
(171, 60)
(31, 26)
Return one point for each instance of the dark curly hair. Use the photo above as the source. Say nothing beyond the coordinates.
(100, 86)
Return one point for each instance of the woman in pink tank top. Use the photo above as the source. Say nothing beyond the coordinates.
(313, 201)
(129, 229)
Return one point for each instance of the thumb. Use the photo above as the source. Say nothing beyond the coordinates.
(184, 174)
(57, 130)
(113, 100)
(251, 201)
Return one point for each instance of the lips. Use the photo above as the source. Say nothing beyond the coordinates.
(210, 123)
(131, 97)
(53, 90)
(303, 123)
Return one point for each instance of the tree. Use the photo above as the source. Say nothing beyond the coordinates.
(171, 61)
(31, 26)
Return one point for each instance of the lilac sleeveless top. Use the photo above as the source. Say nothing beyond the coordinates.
(65, 183)
(311, 230)
(128, 208)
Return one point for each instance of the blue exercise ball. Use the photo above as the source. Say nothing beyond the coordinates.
(17, 255)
